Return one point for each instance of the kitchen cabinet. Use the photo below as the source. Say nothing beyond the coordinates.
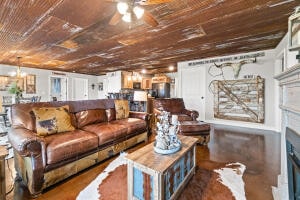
(146, 83)
(127, 82)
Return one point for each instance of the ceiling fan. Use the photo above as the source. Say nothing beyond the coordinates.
(130, 10)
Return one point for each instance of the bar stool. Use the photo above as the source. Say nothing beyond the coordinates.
(3, 113)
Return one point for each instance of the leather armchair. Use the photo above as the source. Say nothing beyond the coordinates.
(176, 107)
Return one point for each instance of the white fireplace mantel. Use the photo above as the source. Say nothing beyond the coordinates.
(289, 82)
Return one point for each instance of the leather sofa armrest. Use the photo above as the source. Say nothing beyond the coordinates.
(140, 115)
(192, 113)
(25, 142)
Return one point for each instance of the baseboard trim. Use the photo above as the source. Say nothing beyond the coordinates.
(244, 124)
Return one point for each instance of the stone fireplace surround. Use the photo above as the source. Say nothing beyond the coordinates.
(289, 83)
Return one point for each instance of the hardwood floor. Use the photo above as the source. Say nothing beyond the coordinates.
(258, 150)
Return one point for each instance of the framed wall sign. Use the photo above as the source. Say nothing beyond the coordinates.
(30, 84)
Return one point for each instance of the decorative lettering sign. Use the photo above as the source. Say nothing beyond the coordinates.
(226, 59)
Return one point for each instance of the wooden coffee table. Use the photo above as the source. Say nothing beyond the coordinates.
(158, 177)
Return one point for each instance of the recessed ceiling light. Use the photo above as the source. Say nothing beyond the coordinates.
(143, 71)
(171, 68)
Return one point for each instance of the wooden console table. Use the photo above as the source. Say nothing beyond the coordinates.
(160, 177)
(3, 153)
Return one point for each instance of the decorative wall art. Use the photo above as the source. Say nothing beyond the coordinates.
(100, 86)
(6, 81)
(236, 67)
(30, 84)
(241, 100)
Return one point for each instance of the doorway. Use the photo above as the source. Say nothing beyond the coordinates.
(193, 88)
(80, 89)
(58, 88)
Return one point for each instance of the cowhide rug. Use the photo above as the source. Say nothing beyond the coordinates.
(223, 183)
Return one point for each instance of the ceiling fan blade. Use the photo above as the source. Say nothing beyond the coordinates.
(149, 19)
(115, 19)
(151, 2)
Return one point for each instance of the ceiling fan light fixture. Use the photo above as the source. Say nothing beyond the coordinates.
(138, 11)
(122, 7)
(127, 17)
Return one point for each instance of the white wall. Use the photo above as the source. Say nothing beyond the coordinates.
(103, 94)
(42, 81)
(263, 67)
(290, 56)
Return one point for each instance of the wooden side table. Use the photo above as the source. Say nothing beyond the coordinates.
(3, 153)
(154, 176)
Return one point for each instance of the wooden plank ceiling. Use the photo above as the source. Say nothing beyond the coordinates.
(74, 36)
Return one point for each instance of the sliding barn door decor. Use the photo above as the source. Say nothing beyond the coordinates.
(241, 100)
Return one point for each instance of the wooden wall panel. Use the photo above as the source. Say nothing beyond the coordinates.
(241, 100)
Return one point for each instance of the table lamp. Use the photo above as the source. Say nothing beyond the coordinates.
(140, 96)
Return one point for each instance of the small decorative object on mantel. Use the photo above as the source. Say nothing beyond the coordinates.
(167, 141)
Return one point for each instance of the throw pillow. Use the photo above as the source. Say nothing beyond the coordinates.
(122, 109)
(51, 120)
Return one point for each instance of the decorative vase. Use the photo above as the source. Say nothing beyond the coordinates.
(167, 141)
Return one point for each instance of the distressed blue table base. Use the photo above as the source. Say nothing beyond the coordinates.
(153, 176)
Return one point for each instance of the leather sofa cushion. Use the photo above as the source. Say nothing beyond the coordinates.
(87, 117)
(23, 117)
(110, 114)
(183, 117)
(193, 127)
(133, 125)
(69, 145)
(50, 120)
(107, 131)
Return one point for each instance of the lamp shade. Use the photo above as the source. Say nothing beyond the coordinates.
(140, 96)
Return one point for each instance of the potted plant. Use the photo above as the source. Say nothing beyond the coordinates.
(16, 90)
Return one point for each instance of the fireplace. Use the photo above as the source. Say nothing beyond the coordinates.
(288, 186)
(293, 163)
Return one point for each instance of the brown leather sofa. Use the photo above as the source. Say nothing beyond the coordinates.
(176, 107)
(44, 161)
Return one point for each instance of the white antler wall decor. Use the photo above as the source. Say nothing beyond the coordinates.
(236, 67)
